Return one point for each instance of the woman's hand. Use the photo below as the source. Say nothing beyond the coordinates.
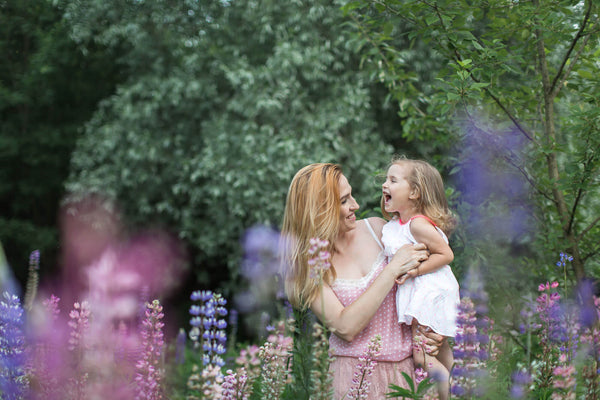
(431, 340)
(407, 258)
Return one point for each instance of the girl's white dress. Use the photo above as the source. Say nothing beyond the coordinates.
(431, 298)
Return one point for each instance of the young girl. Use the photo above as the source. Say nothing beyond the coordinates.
(413, 195)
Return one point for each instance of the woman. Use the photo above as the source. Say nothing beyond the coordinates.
(356, 299)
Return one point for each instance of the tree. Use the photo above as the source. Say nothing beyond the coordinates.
(47, 90)
(518, 83)
(223, 104)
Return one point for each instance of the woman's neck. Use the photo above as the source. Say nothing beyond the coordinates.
(344, 241)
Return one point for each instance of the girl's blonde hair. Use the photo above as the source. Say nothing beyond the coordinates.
(312, 210)
(431, 201)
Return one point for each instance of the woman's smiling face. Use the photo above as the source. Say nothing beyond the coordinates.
(347, 206)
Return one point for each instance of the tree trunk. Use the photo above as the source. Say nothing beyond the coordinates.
(551, 158)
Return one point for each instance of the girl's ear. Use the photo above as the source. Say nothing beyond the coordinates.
(414, 193)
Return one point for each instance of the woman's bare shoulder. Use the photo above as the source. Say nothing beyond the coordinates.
(377, 224)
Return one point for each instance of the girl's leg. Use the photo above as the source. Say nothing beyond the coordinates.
(445, 355)
(434, 367)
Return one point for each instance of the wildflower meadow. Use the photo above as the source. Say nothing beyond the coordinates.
(112, 343)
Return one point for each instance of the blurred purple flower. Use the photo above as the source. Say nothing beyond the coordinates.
(260, 267)
(13, 383)
(520, 382)
(490, 174)
(180, 341)
(261, 246)
(588, 314)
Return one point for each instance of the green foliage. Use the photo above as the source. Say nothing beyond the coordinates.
(206, 140)
(412, 392)
(47, 90)
(513, 81)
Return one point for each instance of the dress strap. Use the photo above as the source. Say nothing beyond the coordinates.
(373, 233)
(426, 217)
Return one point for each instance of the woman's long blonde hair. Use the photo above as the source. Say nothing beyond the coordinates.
(432, 201)
(312, 210)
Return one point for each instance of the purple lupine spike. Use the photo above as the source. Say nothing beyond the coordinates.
(208, 332)
(13, 385)
(149, 370)
(361, 382)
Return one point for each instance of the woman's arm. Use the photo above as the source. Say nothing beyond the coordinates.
(347, 322)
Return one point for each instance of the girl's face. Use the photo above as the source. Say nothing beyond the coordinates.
(348, 206)
(397, 193)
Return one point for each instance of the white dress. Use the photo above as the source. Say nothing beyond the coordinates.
(431, 298)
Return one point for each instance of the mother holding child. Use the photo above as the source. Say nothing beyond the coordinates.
(369, 291)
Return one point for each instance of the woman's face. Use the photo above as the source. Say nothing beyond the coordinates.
(348, 206)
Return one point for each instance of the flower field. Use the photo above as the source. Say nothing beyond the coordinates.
(107, 347)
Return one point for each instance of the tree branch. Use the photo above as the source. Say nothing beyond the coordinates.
(554, 87)
(458, 57)
(588, 228)
(592, 253)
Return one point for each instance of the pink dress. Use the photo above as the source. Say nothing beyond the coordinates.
(396, 344)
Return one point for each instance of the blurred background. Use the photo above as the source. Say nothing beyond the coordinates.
(174, 127)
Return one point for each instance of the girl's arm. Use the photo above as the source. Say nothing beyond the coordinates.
(347, 322)
(440, 252)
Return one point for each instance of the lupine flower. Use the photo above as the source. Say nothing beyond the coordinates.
(321, 377)
(590, 350)
(32, 279)
(212, 379)
(549, 313)
(207, 383)
(563, 380)
(563, 260)
(51, 305)
(420, 375)
(234, 385)
(471, 343)
(13, 381)
(520, 383)
(260, 269)
(208, 326)
(361, 382)
(261, 246)
(249, 361)
(319, 258)
(149, 372)
(275, 373)
(481, 178)
(233, 327)
(588, 313)
(180, 347)
(79, 324)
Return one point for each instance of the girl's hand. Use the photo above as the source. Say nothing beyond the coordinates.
(410, 274)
